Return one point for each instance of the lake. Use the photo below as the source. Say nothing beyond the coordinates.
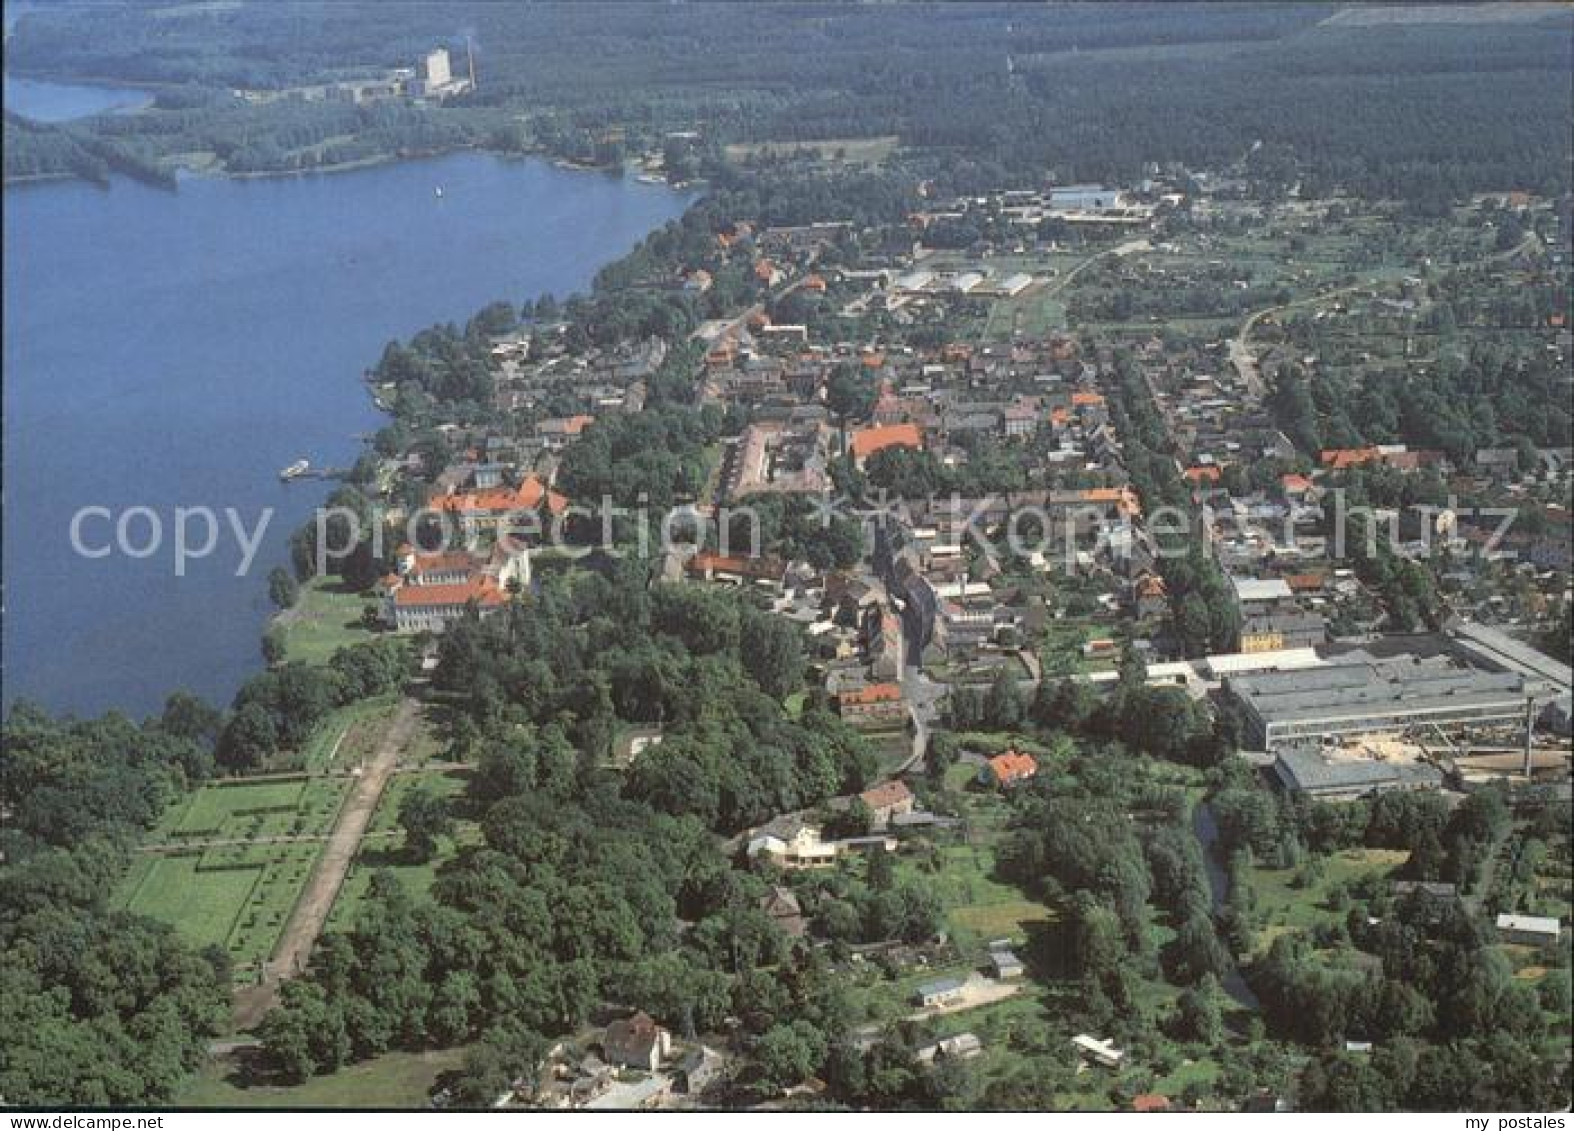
(61, 102)
(177, 349)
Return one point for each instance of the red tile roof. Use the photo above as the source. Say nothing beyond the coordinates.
(1012, 766)
(482, 590)
(867, 441)
(1341, 458)
(873, 693)
(498, 500)
(885, 795)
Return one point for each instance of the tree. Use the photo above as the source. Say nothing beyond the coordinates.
(283, 590)
(424, 817)
(249, 738)
(186, 716)
(1198, 1017)
(771, 650)
(786, 1054)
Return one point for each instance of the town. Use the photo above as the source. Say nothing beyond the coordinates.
(1016, 517)
(1008, 559)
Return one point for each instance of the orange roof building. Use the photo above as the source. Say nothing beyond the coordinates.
(1341, 458)
(870, 694)
(866, 441)
(487, 507)
(1202, 473)
(1010, 768)
(1123, 499)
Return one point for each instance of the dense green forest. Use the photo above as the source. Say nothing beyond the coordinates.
(99, 1007)
(1411, 110)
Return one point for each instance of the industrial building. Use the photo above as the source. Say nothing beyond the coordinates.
(1496, 650)
(1370, 697)
(1304, 768)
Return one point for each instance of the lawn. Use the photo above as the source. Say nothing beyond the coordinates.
(231, 888)
(384, 852)
(203, 906)
(1037, 313)
(326, 617)
(348, 736)
(1281, 903)
(240, 810)
(850, 150)
(393, 1080)
(978, 907)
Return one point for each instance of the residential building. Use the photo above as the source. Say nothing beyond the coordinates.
(1098, 1051)
(1005, 965)
(636, 1042)
(1008, 769)
(887, 800)
(1273, 632)
(963, 1046)
(493, 508)
(782, 906)
(872, 706)
(793, 843)
(939, 993)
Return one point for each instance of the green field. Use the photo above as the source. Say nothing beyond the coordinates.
(347, 736)
(393, 1080)
(383, 852)
(248, 810)
(237, 897)
(326, 617)
(1035, 313)
(231, 887)
(848, 150)
(1281, 903)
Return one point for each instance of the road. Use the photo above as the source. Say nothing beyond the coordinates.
(316, 901)
(923, 697)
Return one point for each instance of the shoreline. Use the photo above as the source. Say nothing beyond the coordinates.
(376, 161)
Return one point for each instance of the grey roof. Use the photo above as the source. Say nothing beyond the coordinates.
(939, 986)
(1304, 768)
(1298, 621)
(1502, 650)
(1354, 691)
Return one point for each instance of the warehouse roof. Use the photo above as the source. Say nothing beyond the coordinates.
(1303, 768)
(1357, 690)
(1501, 650)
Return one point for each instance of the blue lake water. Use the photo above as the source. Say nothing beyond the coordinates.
(177, 349)
(61, 102)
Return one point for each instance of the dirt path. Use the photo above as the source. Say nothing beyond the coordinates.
(311, 910)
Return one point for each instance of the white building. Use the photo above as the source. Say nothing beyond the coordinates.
(1529, 930)
(1100, 1052)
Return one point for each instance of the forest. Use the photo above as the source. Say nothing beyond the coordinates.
(984, 94)
(117, 998)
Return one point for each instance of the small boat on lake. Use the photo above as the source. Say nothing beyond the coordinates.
(295, 470)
